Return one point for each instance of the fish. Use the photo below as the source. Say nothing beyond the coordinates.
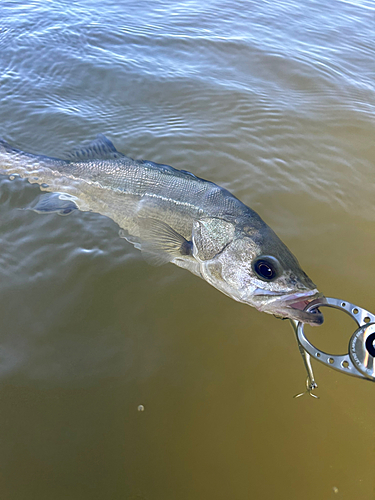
(172, 215)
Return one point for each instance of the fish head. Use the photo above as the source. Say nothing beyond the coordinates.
(247, 261)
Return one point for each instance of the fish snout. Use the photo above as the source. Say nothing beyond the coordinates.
(303, 307)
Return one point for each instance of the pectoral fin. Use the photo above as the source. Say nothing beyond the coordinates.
(58, 203)
(160, 243)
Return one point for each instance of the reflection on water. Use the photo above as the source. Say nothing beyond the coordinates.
(275, 102)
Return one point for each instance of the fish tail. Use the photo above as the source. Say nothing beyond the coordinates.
(10, 159)
(6, 148)
(7, 156)
(15, 161)
(36, 169)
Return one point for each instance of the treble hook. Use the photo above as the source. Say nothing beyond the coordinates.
(309, 390)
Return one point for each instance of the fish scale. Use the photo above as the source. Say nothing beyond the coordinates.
(174, 216)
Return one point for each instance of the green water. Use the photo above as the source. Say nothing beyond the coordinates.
(274, 101)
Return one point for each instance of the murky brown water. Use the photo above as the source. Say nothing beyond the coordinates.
(273, 100)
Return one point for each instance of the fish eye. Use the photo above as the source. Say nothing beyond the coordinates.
(266, 267)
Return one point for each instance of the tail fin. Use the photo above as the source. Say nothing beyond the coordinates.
(12, 160)
(5, 147)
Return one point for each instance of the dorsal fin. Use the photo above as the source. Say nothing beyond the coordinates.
(101, 147)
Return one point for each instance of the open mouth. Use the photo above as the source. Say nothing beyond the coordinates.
(295, 307)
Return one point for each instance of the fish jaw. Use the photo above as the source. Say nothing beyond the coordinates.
(293, 306)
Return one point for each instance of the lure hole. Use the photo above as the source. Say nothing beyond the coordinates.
(331, 361)
(345, 364)
(318, 355)
(366, 319)
(343, 304)
(355, 311)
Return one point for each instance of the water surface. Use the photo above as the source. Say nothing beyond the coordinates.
(274, 101)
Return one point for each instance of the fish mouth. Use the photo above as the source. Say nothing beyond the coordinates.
(293, 306)
(298, 306)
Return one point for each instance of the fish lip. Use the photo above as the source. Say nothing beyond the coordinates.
(310, 313)
(299, 306)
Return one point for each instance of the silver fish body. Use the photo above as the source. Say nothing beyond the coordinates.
(173, 216)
